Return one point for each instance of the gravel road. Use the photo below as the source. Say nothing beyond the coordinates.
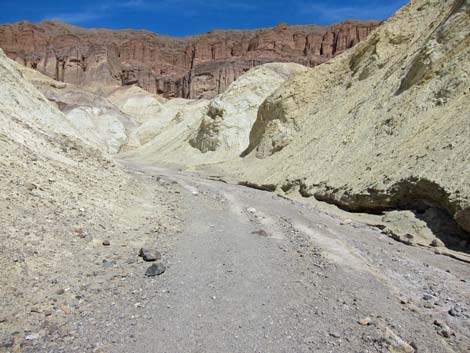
(255, 272)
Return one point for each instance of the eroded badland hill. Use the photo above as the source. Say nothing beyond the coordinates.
(281, 208)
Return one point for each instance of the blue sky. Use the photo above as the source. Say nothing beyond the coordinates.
(185, 17)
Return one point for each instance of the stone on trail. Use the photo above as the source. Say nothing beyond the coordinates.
(428, 297)
(455, 311)
(33, 336)
(31, 186)
(443, 329)
(261, 233)
(395, 343)
(334, 334)
(155, 270)
(437, 243)
(149, 255)
(365, 322)
(108, 263)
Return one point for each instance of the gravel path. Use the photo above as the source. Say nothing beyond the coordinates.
(254, 272)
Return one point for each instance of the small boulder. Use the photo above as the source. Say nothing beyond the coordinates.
(155, 270)
(261, 233)
(395, 343)
(455, 311)
(442, 329)
(31, 186)
(437, 243)
(446, 333)
(108, 263)
(365, 322)
(32, 336)
(149, 255)
(428, 297)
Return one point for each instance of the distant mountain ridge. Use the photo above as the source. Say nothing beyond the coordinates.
(200, 66)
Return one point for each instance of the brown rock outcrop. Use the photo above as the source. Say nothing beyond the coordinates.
(192, 67)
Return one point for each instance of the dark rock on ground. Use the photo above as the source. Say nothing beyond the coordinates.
(261, 233)
(456, 311)
(108, 263)
(155, 270)
(149, 255)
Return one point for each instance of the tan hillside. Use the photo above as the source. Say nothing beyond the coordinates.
(97, 120)
(60, 199)
(136, 223)
(386, 125)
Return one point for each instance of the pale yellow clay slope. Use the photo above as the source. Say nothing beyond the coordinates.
(165, 138)
(381, 126)
(198, 132)
(94, 117)
(46, 176)
(23, 108)
(136, 102)
(59, 200)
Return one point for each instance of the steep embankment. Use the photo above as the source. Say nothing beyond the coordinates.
(60, 200)
(96, 119)
(386, 125)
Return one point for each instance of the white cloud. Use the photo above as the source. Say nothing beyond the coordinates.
(187, 7)
(99, 11)
(330, 13)
(75, 17)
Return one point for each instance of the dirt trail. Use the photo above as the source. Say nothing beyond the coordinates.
(254, 272)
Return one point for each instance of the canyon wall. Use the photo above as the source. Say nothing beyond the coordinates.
(200, 66)
(385, 126)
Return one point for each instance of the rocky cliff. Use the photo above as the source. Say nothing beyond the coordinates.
(193, 67)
